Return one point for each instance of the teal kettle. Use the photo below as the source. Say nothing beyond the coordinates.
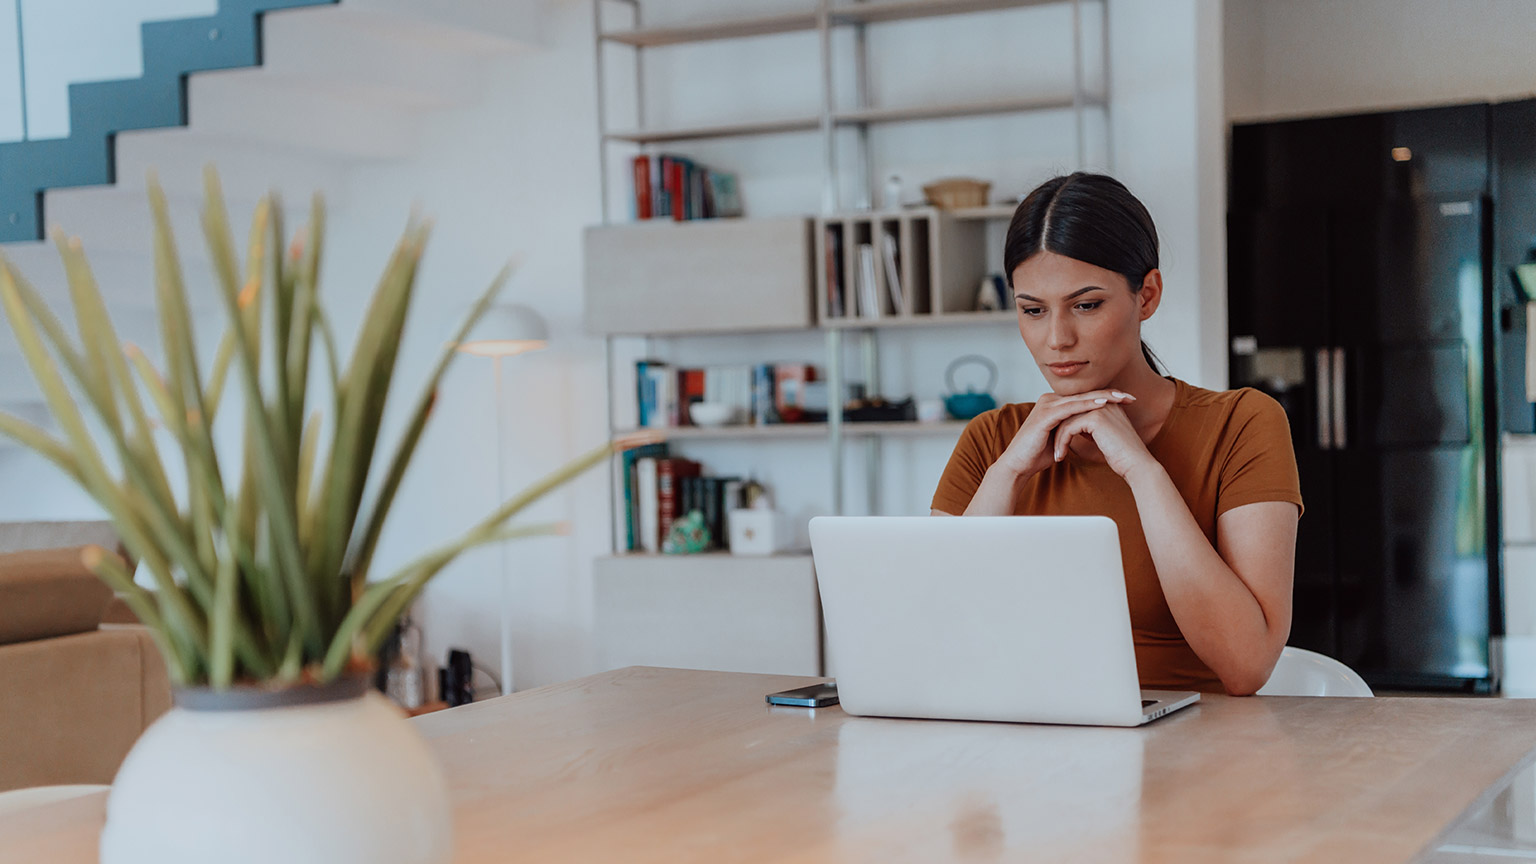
(964, 406)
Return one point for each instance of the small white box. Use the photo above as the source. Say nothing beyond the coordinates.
(754, 532)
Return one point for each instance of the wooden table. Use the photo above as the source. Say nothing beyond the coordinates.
(663, 765)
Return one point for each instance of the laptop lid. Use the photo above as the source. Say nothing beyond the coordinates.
(1011, 618)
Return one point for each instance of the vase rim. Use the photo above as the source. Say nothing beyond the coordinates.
(253, 697)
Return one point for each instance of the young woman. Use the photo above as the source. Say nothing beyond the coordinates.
(1202, 484)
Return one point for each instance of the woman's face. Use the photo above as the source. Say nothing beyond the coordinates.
(1081, 323)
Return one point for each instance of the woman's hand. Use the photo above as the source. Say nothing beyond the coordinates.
(1113, 435)
(1034, 447)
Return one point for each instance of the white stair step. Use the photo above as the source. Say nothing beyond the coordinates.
(126, 279)
(479, 26)
(113, 219)
(246, 171)
(262, 108)
(345, 52)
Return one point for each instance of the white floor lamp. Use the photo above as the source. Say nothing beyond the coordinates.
(502, 332)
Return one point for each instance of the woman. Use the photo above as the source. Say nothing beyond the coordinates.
(1202, 484)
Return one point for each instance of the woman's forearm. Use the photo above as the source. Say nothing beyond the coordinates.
(1219, 616)
(997, 493)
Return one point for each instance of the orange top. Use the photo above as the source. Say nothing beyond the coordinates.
(1221, 449)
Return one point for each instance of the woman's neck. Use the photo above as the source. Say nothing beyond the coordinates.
(1154, 397)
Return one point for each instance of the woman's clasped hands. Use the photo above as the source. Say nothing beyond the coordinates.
(1095, 419)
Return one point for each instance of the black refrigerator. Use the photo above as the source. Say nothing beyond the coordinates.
(1363, 295)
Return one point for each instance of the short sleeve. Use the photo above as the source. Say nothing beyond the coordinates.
(1260, 464)
(974, 454)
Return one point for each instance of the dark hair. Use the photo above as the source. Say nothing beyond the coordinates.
(1091, 218)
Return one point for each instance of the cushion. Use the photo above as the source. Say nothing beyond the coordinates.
(48, 592)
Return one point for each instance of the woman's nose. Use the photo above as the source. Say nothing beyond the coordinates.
(1061, 334)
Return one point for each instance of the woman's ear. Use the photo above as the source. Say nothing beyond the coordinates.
(1151, 293)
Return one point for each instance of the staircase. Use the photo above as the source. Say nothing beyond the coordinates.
(339, 86)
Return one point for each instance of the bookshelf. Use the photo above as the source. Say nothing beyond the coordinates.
(663, 282)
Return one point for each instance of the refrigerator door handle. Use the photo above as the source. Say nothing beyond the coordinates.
(1324, 401)
(1340, 415)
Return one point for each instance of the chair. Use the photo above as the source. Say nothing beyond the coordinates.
(17, 800)
(1307, 673)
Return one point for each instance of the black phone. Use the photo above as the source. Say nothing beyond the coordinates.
(814, 696)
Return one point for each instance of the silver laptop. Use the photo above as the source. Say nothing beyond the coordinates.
(1011, 618)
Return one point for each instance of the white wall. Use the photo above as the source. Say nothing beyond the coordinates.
(1308, 57)
(68, 41)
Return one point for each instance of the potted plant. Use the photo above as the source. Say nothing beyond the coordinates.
(261, 605)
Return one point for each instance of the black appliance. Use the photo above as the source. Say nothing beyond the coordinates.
(1367, 294)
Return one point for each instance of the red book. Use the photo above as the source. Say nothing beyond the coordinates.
(690, 389)
(677, 190)
(669, 492)
(642, 187)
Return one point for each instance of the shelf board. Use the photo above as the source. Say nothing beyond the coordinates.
(940, 320)
(765, 26)
(897, 10)
(729, 130)
(713, 554)
(862, 116)
(991, 211)
(807, 431)
(801, 22)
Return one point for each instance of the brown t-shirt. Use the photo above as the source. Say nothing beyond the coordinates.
(1221, 449)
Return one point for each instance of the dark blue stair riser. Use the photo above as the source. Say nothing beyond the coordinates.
(99, 110)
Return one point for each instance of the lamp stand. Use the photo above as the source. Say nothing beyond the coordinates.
(501, 547)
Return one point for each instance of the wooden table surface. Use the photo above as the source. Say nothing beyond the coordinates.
(665, 765)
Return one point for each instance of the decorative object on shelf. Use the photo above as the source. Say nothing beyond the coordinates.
(892, 193)
(754, 531)
(688, 535)
(261, 604)
(953, 193)
(711, 413)
(878, 409)
(930, 411)
(964, 406)
(504, 331)
(992, 294)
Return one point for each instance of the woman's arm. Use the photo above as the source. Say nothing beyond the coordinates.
(1233, 604)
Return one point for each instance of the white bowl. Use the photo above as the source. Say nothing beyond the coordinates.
(710, 413)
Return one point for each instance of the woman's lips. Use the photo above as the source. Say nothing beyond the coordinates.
(1065, 370)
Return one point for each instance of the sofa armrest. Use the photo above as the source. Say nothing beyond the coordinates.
(72, 706)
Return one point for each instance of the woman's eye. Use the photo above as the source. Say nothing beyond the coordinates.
(1032, 311)
(1090, 305)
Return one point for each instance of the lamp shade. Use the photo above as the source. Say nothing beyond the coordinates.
(506, 330)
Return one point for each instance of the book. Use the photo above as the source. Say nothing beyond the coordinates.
(889, 253)
(834, 266)
(647, 504)
(677, 189)
(642, 168)
(628, 462)
(868, 287)
(669, 472)
(764, 400)
(656, 394)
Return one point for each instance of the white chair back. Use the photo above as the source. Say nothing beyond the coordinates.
(1307, 673)
(36, 796)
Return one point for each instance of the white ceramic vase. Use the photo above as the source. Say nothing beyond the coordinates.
(314, 774)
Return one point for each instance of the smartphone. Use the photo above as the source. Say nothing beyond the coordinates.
(814, 696)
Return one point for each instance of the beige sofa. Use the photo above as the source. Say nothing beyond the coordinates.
(75, 693)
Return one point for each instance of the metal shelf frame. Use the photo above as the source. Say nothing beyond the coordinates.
(858, 15)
